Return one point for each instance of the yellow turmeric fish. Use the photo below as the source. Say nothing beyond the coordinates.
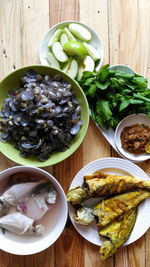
(117, 233)
(108, 210)
(105, 185)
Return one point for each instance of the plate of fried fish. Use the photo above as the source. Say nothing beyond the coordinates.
(109, 203)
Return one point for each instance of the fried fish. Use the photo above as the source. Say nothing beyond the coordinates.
(83, 216)
(107, 185)
(116, 212)
(76, 195)
(117, 233)
(114, 184)
(108, 210)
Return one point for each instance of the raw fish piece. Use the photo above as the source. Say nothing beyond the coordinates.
(20, 224)
(37, 205)
(51, 197)
(117, 233)
(19, 192)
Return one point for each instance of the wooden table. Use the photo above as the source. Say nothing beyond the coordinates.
(123, 26)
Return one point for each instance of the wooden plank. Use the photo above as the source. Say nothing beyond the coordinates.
(10, 36)
(144, 22)
(124, 33)
(70, 246)
(124, 28)
(35, 23)
(20, 37)
(94, 13)
(125, 48)
(63, 11)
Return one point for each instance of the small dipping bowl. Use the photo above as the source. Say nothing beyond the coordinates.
(53, 221)
(129, 121)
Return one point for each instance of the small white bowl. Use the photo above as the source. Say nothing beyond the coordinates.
(128, 121)
(122, 68)
(95, 41)
(54, 220)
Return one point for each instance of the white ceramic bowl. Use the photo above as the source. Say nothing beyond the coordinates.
(95, 41)
(128, 121)
(122, 68)
(54, 220)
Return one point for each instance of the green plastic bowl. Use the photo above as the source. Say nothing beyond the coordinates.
(12, 81)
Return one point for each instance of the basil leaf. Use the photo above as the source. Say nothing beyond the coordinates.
(92, 90)
(102, 86)
(103, 109)
(124, 105)
(103, 74)
(141, 82)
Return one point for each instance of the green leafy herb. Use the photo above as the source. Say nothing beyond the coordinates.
(114, 94)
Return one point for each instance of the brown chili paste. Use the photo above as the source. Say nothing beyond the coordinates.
(135, 137)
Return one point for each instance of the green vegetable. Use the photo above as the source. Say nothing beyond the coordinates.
(58, 52)
(88, 64)
(63, 39)
(74, 48)
(54, 38)
(92, 51)
(52, 60)
(69, 34)
(73, 69)
(80, 32)
(80, 71)
(70, 43)
(114, 94)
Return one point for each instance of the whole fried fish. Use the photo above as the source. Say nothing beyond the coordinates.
(117, 233)
(114, 184)
(108, 210)
(105, 185)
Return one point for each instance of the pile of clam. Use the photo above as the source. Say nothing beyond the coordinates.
(41, 116)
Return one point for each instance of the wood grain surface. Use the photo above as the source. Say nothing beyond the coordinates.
(124, 27)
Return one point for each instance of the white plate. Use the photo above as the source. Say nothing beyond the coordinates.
(120, 167)
(95, 41)
(128, 121)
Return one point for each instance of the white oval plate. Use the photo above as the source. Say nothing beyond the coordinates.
(109, 134)
(95, 41)
(120, 167)
(128, 121)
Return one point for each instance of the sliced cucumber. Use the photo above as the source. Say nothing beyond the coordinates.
(51, 59)
(54, 38)
(80, 71)
(66, 65)
(92, 51)
(88, 64)
(58, 52)
(69, 34)
(63, 39)
(80, 32)
(73, 69)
